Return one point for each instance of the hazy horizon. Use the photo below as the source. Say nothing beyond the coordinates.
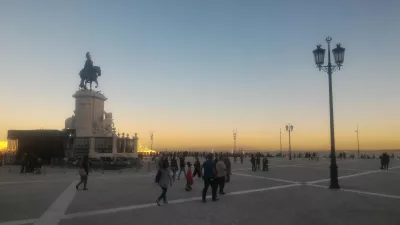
(191, 72)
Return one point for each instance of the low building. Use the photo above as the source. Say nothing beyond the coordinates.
(44, 144)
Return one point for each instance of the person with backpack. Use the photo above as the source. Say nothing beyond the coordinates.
(209, 176)
(182, 166)
(197, 168)
(174, 167)
(83, 173)
(164, 181)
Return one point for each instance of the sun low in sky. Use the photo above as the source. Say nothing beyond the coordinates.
(192, 71)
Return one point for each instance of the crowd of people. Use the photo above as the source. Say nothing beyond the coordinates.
(215, 172)
(31, 164)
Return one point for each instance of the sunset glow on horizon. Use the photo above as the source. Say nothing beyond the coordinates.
(191, 72)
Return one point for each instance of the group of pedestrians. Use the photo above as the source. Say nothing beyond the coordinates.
(256, 161)
(214, 172)
(31, 164)
(385, 159)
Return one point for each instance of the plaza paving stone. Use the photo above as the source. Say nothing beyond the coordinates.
(128, 197)
(298, 174)
(381, 182)
(297, 205)
(26, 201)
(110, 193)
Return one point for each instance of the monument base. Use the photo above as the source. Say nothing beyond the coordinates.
(93, 131)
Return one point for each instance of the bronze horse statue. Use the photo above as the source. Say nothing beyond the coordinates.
(89, 77)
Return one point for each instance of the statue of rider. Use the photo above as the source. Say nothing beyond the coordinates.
(88, 71)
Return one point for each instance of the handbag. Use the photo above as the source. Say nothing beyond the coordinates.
(82, 172)
(158, 176)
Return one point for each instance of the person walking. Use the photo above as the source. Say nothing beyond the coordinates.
(227, 163)
(258, 161)
(24, 163)
(386, 160)
(164, 182)
(221, 173)
(189, 177)
(253, 163)
(83, 173)
(209, 178)
(174, 167)
(182, 166)
(265, 163)
(197, 168)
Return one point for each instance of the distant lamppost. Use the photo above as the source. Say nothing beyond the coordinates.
(319, 55)
(234, 140)
(280, 140)
(289, 128)
(151, 139)
(358, 142)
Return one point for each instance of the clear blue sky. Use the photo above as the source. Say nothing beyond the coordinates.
(190, 71)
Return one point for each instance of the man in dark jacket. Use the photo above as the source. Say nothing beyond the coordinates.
(253, 163)
(265, 163)
(182, 166)
(174, 167)
(209, 176)
(24, 163)
(197, 168)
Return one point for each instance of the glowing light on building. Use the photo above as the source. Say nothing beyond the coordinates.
(3, 146)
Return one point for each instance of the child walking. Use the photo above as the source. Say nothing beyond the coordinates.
(189, 177)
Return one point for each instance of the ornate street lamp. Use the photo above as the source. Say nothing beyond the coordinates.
(319, 55)
(289, 128)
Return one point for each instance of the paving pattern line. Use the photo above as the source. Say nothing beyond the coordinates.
(142, 206)
(19, 222)
(57, 210)
(351, 175)
(74, 178)
(266, 178)
(358, 191)
(176, 201)
(327, 168)
(284, 165)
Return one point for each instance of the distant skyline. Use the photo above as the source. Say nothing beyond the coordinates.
(191, 71)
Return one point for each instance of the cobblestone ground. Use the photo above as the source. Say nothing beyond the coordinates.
(291, 192)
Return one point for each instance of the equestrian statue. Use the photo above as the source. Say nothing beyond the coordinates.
(89, 73)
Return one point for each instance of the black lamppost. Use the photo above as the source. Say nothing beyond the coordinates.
(280, 141)
(358, 142)
(319, 55)
(234, 140)
(289, 128)
(151, 139)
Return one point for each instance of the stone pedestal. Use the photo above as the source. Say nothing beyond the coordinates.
(89, 112)
(94, 127)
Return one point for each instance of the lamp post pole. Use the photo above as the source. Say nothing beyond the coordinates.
(151, 139)
(280, 140)
(358, 143)
(234, 140)
(319, 55)
(289, 128)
